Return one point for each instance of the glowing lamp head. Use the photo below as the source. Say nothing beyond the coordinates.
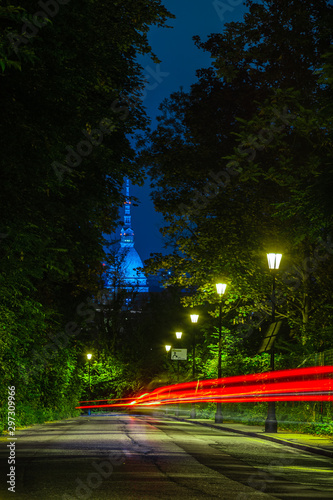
(89, 356)
(194, 318)
(179, 335)
(167, 348)
(220, 288)
(274, 260)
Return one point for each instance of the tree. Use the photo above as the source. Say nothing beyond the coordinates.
(70, 90)
(230, 159)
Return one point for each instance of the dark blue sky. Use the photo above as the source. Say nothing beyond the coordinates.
(179, 61)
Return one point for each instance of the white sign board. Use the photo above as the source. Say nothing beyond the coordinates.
(179, 354)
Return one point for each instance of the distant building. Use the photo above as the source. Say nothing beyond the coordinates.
(126, 274)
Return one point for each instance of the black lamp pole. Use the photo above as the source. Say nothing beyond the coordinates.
(194, 319)
(89, 374)
(271, 422)
(218, 414)
(193, 413)
(177, 410)
(179, 336)
(89, 356)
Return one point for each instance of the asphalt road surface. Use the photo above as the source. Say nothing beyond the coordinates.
(122, 457)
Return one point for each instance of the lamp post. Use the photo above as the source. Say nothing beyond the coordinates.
(89, 356)
(194, 319)
(167, 348)
(179, 336)
(274, 260)
(220, 288)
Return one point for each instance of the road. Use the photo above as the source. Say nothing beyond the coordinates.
(119, 456)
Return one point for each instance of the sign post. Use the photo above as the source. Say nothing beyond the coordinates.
(179, 354)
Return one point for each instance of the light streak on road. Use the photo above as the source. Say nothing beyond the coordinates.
(300, 384)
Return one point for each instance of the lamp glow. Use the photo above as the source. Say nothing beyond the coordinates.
(274, 260)
(179, 335)
(89, 356)
(167, 348)
(194, 318)
(220, 288)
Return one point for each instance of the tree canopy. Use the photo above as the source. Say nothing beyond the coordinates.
(239, 164)
(69, 99)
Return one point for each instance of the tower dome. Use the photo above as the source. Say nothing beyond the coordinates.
(129, 261)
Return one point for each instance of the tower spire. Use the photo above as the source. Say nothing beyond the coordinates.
(127, 214)
(127, 233)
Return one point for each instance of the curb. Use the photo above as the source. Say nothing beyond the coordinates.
(303, 447)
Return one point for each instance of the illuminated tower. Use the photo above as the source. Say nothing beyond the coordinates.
(132, 278)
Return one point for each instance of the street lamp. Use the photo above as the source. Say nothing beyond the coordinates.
(220, 288)
(167, 348)
(274, 260)
(89, 356)
(179, 336)
(194, 319)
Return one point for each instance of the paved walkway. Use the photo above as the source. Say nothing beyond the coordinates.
(320, 445)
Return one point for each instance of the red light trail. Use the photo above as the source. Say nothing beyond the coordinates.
(300, 384)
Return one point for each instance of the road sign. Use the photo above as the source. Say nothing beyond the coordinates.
(179, 354)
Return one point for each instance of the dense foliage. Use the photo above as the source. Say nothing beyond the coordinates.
(241, 165)
(69, 101)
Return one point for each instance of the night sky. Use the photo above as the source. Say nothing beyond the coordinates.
(180, 60)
